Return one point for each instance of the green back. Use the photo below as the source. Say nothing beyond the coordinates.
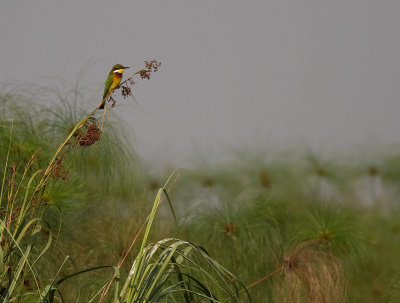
(109, 81)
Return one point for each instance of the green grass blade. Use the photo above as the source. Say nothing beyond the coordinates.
(170, 205)
(6, 164)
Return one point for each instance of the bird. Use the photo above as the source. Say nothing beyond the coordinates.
(113, 81)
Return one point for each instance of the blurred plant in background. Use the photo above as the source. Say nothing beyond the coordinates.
(293, 226)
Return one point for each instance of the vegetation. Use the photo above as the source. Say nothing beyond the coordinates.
(86, 221)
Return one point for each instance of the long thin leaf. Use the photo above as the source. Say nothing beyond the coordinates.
(6, 164)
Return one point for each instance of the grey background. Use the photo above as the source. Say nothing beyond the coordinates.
(234, 73)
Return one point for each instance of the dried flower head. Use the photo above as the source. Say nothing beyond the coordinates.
(231, 230)
(150, 67)
(57, 169)
(126, 91)
(310, 274)
(92, 134)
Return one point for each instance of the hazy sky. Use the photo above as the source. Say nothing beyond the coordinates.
(233, 72)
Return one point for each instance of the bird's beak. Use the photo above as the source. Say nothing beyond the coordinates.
(126, 67)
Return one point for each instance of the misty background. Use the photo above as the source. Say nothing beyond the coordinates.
(323, 74)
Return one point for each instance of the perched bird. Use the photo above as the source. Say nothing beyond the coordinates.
(113, 81)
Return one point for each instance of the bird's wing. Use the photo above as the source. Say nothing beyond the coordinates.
(107, 86)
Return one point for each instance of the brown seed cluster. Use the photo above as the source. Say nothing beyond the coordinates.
(112, 100)
(57, 170)
(91, 136)
(126, 91)
(87, 135)
(150, 67)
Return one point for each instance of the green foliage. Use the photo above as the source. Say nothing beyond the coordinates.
(294, 227)
(177, 270)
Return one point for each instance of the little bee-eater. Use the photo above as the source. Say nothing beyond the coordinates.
(113, 80)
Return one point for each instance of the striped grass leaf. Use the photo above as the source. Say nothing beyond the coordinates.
(180, 271)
